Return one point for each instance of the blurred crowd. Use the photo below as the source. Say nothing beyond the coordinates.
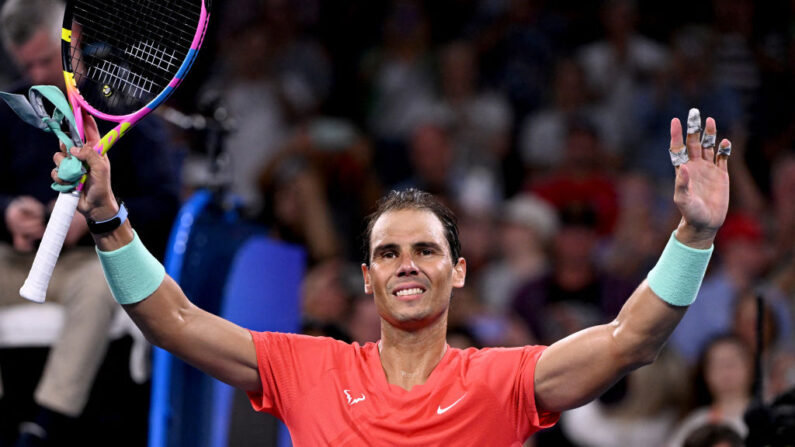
(545, 127)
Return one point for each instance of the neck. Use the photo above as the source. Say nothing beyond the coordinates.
(734, 404)
(409, 357)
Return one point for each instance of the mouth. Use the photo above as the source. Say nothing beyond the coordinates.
(408, 293)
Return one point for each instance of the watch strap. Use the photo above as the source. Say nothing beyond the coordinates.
(106, 226)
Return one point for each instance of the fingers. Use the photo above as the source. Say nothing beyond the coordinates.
(56, 179)
(58, 157)
(90, 129)
(724, 150)
(708, 140)
(693, 133)
(677, 146)
(88, 155)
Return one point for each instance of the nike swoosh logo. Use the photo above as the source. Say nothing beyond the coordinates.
(440, 410)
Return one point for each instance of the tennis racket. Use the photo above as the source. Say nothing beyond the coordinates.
(121, 59)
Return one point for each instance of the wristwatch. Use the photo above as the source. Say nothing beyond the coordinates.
(106, 226)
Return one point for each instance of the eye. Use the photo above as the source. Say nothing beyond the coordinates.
(426, 251)
(388, 255)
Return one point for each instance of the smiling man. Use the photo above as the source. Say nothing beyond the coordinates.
(411, 388)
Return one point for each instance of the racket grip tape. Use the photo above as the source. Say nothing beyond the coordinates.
(35, 286)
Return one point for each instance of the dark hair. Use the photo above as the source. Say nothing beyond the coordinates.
(413, 198)
(701, 395)
(711, 434)
(21, 19)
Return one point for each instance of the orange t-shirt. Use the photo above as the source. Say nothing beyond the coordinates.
(332, 393)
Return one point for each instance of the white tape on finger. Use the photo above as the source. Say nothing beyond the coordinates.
(725, 150)
(35, 287)
(707, 141)
(679, 158)
(693, 121)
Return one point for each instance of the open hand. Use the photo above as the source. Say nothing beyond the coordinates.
(702, 184)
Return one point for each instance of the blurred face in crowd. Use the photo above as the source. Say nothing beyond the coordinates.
(745, 318)
(411, 272)
(570, 89)
(431, 154)
(39, 59)
(727, 370)
(458, 70)
(324, 297)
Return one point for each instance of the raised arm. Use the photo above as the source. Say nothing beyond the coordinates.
(167, 318)
(579, 368)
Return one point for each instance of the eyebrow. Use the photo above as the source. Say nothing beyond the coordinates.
(387, 247)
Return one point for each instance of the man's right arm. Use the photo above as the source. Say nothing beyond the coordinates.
(169, 320)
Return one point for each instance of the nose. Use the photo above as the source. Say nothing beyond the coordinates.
(407, 266)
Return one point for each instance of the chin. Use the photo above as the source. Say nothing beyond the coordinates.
(414, 321)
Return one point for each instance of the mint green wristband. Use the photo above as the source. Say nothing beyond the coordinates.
(131, 271)
(678, 274)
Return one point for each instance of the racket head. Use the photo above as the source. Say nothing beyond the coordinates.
(121, 58)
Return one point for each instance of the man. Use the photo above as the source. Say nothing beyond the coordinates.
(31, 30)
(411, 388)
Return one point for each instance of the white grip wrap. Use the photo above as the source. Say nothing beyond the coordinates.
(35, 287)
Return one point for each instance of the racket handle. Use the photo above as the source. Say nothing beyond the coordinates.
(35, 287)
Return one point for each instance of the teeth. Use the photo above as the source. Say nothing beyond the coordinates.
(414, 291)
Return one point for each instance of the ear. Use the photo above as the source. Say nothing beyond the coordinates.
(368, 289)
(459, 273)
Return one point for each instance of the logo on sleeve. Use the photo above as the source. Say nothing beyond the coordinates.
(352, 400)
(440, 410)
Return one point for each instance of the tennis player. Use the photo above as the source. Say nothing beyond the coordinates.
(411, 388)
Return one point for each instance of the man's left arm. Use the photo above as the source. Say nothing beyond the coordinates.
(578, 368)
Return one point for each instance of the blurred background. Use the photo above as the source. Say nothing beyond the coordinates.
(545, 127)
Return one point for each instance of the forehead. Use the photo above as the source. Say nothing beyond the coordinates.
(40, 44)
(407, 226)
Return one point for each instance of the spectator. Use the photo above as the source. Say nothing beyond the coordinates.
(479, 121)
(714, 435)
(527, 226)
(722, 388)
(297, 209)
(638, 411)
(582, 180)
(574, 293)
(543, 135)
(622, 63)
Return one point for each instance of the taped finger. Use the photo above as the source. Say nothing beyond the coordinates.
(693, 121)
(724, 151)
(680, 157)
(708, 140)
(693, 134)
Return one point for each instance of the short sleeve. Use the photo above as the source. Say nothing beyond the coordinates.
(289, 364)
(526, 381)
(525, 389)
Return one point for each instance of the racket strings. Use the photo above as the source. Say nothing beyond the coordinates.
(124, 53)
